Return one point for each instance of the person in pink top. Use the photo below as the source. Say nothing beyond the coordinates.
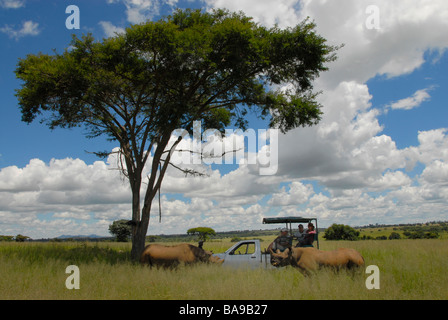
(309, 236)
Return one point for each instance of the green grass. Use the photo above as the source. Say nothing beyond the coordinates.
(409, 269)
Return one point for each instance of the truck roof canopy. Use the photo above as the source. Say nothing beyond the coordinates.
(287, 220)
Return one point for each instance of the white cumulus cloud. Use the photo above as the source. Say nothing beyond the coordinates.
(412, 102)
(109, 29)
(29, 28)
(12, 4)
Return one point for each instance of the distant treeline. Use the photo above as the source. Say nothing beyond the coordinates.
(406, 225)
(411, 230)
(429, 230)
(17, 238)
(218, 236)
(20, 238)
(159, 238)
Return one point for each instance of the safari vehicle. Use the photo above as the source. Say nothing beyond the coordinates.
(289, 220)
(250, 253)
(246, 253)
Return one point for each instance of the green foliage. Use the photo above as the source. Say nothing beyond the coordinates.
(34, 253)
(121, 230)
(203, 233)
(427, 231)
(421, 235)
(189, 66)
(6, 238)
(394, 236)
(153, 238)
(431, 235)
(21, 238)
(341, 232)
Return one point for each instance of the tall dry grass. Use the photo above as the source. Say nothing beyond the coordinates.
(409, 269)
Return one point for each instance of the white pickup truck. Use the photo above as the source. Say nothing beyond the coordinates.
(246, 253)
(249, 253)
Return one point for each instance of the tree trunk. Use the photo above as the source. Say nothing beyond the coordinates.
(139, 236)
(138, 242)
(141, 222)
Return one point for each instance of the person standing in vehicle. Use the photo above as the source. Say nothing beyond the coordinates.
(300, 235)
(310, 233)
(282, 242)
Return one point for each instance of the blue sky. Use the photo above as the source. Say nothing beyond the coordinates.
(431, 114)
(379, 155)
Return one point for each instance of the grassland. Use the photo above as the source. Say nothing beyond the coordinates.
(375, 232)
(409, 269)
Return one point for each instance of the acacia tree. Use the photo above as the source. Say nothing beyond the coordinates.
(139, 86)
(203, 233)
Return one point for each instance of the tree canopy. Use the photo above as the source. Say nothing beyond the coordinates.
(121, 229)
(341, 232)
(203, 232)
(138, 87)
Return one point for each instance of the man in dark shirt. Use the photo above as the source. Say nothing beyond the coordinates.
(282, 242)
(300, 235)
